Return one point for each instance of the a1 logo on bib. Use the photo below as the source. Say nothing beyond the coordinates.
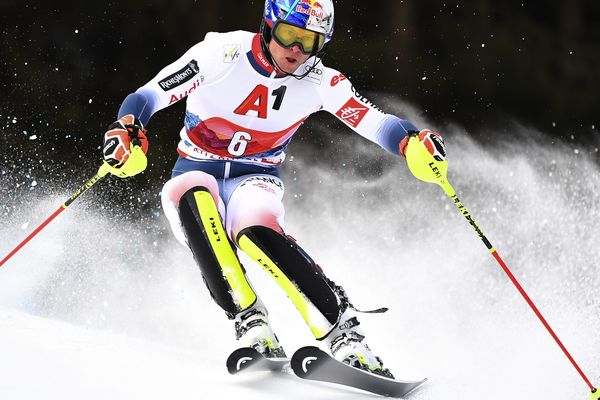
(231, 53)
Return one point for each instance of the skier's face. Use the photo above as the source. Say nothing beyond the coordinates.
(287, 58)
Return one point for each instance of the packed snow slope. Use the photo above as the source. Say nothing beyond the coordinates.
(97, 307)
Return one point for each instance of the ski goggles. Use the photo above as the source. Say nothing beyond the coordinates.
(288, 35)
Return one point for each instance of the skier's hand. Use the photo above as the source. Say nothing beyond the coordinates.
(432, 140)
(125, 147)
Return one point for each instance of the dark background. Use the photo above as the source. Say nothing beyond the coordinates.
(66, 66)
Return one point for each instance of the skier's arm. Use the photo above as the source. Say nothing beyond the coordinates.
(392, 132)
(142, 104)
(341, 99)
(171, 84)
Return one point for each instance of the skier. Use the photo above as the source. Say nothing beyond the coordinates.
(247, 94)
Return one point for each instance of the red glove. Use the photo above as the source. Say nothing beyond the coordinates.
(120, 136)
(432, 140)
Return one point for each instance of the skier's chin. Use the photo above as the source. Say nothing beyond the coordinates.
(289, 64)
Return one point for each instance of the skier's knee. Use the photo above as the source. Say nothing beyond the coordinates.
(264, 219)
(296, 273)
(175, 188)
(255, 202)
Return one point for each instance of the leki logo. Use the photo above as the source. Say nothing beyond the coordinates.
(352, 112)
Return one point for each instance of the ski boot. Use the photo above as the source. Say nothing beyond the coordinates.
(347, 345)
(252, 329)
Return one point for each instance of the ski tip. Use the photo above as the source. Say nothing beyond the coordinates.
(306, 360)
(241, 359)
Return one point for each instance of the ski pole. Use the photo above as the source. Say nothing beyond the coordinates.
(101, 174)
(136, 163)
(428, 169)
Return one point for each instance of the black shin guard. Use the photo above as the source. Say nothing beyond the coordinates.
(296, 273)
(214, 254)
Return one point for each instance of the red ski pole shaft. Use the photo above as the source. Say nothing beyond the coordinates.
(428, 168)
(101, 173)
(514, 280)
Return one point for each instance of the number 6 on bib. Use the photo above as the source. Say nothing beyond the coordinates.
(238, 143)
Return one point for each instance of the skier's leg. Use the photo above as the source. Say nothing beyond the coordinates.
(190, 203)
(255, 218)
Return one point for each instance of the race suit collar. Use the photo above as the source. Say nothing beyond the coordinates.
(259, 60)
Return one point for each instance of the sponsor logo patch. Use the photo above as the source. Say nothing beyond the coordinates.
(352, 112)
(262, 181)
(311, 8)
(315, 75)
(179, 96)
(231, 53)
(180, 77)
(337, 79)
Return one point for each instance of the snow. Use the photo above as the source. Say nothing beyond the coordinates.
(48, 359)
(94, 310)
(53, 360)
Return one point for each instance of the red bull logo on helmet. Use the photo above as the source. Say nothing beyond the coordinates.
(311, 8)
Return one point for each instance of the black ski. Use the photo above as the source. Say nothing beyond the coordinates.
(314, 364)
(248, 359)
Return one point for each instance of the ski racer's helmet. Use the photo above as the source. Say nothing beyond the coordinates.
(313, 15)
(282, 17)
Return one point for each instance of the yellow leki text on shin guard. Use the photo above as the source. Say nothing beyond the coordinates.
(228, 261)
(318, 324)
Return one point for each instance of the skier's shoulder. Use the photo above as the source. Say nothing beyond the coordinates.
(329, 77)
